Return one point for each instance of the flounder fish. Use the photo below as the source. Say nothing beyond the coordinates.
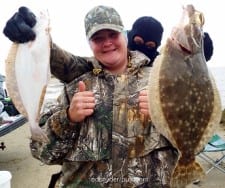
(184, 101)
(28, 73)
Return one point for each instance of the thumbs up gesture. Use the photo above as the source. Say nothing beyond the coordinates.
(82, 104)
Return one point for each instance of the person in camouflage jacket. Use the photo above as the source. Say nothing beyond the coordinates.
(117, 145)
(100, 131)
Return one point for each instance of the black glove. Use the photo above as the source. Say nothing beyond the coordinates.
(19, 27)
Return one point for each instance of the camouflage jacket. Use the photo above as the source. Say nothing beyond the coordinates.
(114, 147)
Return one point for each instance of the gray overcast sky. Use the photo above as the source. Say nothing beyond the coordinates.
(68, 28)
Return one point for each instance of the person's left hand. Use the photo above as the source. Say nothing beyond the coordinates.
(143, 102)
(82, 104)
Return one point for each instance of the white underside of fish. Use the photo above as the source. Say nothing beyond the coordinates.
(28, 73)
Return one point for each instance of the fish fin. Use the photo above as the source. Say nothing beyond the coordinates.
(42, 97)
(186, 174)
(11, 83)
(215, 117)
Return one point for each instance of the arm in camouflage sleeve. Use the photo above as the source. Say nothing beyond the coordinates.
(61, 132)
(66, 66)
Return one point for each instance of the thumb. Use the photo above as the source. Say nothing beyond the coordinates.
(81, 86)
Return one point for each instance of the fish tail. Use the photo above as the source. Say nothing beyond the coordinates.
(186, 174)
(38, 134)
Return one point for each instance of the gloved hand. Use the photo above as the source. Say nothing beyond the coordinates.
(19, 27)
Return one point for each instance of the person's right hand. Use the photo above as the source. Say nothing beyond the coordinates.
(19, 27)
(82, 104)
(143, 102)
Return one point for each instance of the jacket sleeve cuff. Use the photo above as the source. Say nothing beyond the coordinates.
(62, 126)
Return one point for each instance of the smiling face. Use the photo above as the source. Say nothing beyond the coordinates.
(110, 48)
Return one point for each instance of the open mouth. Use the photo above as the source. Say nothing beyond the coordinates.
(182, 47)
(108, 51)
(185, 49)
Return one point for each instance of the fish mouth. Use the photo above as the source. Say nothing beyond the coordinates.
(184, 49)
(187, 35)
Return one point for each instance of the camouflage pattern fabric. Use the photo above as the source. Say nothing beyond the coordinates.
(102, 17)
(65, 66)
(114, 147)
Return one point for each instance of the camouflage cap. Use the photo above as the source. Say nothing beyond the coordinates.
(102, 17)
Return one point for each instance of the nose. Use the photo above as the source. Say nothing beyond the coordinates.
(107, 42)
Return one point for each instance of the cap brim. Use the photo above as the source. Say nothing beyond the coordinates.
(104, 26)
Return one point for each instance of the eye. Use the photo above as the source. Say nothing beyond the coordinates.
(97, 39)
(113, 34)
(150, 44)
(138, 40)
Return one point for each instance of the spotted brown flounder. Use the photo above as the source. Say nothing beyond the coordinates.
(183, 98)
(27, 75)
